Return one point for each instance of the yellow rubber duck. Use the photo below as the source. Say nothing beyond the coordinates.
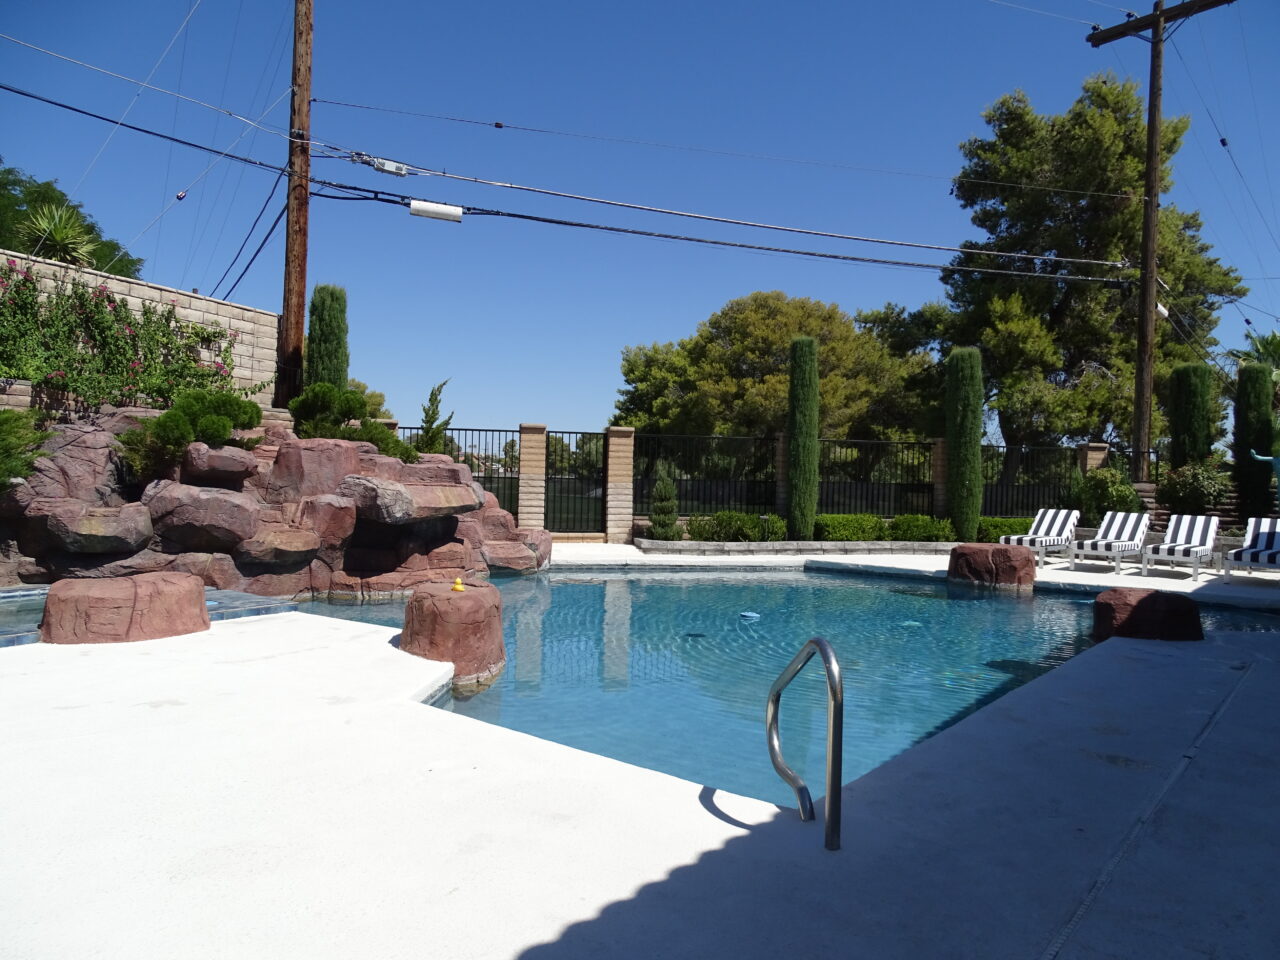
(457, 585)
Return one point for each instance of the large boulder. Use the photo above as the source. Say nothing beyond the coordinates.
(463, 627)
(278, 545)
(81, 462)
(201, 518)
(142, 607)
(493, 535)
(230, 467)
(539, 541)
(993, 565)
(332, 518)
(73, 526)
(308, 468)
(1146, 614)
(379, 500)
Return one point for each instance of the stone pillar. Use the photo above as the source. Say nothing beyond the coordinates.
(619, 483)
(782, 475)
(939, 461)
(1091, 456)
(532, 507)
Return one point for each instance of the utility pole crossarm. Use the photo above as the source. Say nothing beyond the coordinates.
(1141, 24)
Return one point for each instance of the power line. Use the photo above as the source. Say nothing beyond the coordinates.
(261, 246)
(427, 171)
(252, 227)
(1044, 13)
(501, 125)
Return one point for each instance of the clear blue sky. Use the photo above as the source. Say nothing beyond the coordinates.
(528, 320)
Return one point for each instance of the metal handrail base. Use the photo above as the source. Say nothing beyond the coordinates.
(835, 736)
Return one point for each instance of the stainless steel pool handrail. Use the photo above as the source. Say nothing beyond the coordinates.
(835, 735)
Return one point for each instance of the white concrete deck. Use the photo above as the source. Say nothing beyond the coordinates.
(272, 788)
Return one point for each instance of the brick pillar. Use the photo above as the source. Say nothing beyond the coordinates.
(532, 510)
(619, 485)
(1091, 456)
(939, 460)
(782, 475)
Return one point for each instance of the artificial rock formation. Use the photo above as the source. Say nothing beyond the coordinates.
(993, 565)
(461, 626)
(292, 517)
(143, 607)
(1146, 614)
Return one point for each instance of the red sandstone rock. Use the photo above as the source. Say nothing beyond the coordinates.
(993, 564)
(82, 462)
(431, 501)
(434, 468)
(1147, 614)
(383, 501)
(333, 518)
(462, 627)
(278, 545)
(73, 526)
(201, 518)
(308, 468)
(143, 607)
(217, 466)
(382, 467)
(539, 541)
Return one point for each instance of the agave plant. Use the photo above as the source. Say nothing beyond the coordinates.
(59, 233)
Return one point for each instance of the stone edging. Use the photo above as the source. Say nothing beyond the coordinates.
(700, 548)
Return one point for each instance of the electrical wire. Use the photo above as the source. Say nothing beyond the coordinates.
(261, 246)
(252, 227)
(499, 125)
(427, 171)
(1045, 13)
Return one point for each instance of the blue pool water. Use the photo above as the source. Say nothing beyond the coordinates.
(661, 670)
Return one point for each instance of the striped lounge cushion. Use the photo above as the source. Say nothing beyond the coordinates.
(1051, 528)
(1030, 540)
(1179, 550)
(1107, 546)
(1261, 542)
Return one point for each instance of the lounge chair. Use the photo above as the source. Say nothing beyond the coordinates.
(1120, 535)
(1261, 546)
(1050, 528)
(1187, 540)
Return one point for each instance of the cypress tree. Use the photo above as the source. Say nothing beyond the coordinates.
(327, 357)
(964, 440)
(1190, 424)
(1253, 429)
(665, 511)
(802, 435)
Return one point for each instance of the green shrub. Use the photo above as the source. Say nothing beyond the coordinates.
(734, 526)
(210, 416)
(1254, 429)
(991, 529)
(665, 512)
(1193, 488)
(802, 438)
(1104, 490)
(850, 526)
(327, 355)
(213, 429)
(20, 442)
(1190, 417)
(964, 440)
(433, 437)
(918, 527)
(323, 410)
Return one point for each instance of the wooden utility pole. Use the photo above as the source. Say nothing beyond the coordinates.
(1145, 365)
(293, 320)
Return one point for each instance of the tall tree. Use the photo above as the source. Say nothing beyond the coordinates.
(377, 399)
(1190, 419)
(730, 377)
(1058, 354)
(802, 439)
(434, 435)
(21, 195)
(964, 440)
(1264, 348)
(1254, 431)
(327, 355)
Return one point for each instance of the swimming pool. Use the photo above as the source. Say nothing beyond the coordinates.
(661, 670)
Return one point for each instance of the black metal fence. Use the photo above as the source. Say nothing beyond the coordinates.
(492, 455)
(711, 473)
(1018, 481)
(886, 478)
(575, 482)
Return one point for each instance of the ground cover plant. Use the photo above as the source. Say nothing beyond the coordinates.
(323, 410)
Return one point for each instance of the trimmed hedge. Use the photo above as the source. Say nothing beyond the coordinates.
(850, 526)
(991, 529)
(735, 526)
(920, 528)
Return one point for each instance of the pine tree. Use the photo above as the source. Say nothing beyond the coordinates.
(327, 356)
(1254, 429)
(665, 511)
(802, 436)
(964, 440)
(433, 437)
(1190, 422)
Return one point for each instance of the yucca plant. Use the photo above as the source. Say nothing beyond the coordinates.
(59, 233)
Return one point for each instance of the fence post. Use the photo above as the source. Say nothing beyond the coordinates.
(532, 511)
(1091, 456)
(938, 462)
(781, 474)
(619, 483)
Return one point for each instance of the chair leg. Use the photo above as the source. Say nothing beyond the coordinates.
(1117, 563)
(1144, 564)
(1195, 570)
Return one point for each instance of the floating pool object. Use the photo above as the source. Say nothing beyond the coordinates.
(748, 615)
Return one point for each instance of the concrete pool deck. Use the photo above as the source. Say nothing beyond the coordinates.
(274, 788)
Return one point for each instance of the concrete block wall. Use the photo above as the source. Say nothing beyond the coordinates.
(532, 508)
(257, 331)
(619, 485)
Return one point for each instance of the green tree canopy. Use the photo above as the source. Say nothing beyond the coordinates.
(377, 399)
(22, 196)
(1058, 355)
(731, 376)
